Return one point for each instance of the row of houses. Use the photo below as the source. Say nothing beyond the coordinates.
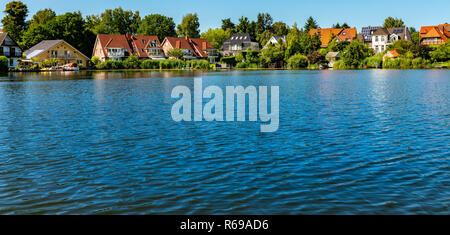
(120, 47)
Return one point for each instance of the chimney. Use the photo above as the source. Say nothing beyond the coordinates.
(203, 45)
(178, 44)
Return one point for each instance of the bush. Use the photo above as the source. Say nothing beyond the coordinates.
(373, 61)
(132, 62)
(4, 64)
(241, 65)
(339, 65)
(95, 61)
(111, 64)
(297, 62)
(198, 64)
(172, 64)
(150, 64)
(231, 60)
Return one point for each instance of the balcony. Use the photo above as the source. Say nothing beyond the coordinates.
(66, 57)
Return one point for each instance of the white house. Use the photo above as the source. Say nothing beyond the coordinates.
(10, 49)
(383, 37)
(274, 40)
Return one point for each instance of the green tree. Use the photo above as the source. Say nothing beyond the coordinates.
(14, 22)
(335, 45)
(117, 21)
(354, 54)
(175, 53)
(391, 22)
(441, 53)
(280, 29)
(264, 23)
(292, 42)
(273, 54)
(189, 26)
(4, 64)
(243, 26)
(227, 24)
(42, 17)
(297, 62)
(338, 26)
(159, 25)
(311, 23)
(216, 37)
(264, 37)
(309, 44)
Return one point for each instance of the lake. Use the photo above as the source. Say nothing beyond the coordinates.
(349, 142)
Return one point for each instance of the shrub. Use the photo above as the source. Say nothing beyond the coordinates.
(111, 64)
(373, 61)
(198, 64)
(4, 64)
(297, 62)
(338, 65)
(172, 64)
(241, 65)
(175, 53)
(150, 64)
(132, 62)
(231, 60)
(95, 61)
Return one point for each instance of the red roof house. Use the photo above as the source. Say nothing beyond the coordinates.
(434, 35)
(193, 48)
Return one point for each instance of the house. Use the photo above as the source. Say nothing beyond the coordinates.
(366, 34)
(193, 48)
(63, 52)
(10, 49)
(332, 57)
(383, 37)
(275, 39)
(434, 35)
(341, 34)
(239, 42)
(392, 54)
(120, 47)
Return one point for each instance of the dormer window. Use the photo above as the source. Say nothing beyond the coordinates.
(143, 41)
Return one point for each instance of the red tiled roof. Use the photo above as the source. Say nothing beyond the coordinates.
(197, 45)
(343, 34)
(441, 31)
(113, 41)
(138, 44)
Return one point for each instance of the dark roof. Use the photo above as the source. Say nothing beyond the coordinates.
(240, 38)
(381, 31)
(367, 32)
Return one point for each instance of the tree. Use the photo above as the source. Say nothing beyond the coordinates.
(335, 45)
(14, 22)
(292, 42)
(338, 26)
(280, 29)
(441, 53)
(297, 62)
(273, 54)
(4, 64)
(227, 24)
(216, 37)
(316, 58)
(189, 26)
(391, 22)
(158, 25)
(311, 23)
(175, 53)
(354, 54)
(415, 36)
(309, 44)
(117, 21)
(243, 26)
(42, 17)
(264, 37)
(264, 22)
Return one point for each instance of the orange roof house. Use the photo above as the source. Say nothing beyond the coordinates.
(434, 35)
(119, 47)
(342, 34)
(193, 48)
(392, 54)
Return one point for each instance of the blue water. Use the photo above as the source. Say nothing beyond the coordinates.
(349, 142)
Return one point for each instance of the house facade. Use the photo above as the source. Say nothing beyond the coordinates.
(341, 34)
(237, 43)
(10, 49)
(434, 35)
(63, 52)
(193, 48)
(366, 34)
(383, 37)
(120, 47)
(275, 39)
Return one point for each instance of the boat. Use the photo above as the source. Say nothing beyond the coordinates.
(71, 67)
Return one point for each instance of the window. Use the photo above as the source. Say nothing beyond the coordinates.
(143, 41)
(11, 62)
(376, 38)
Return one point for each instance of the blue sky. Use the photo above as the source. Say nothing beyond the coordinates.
(356, 13)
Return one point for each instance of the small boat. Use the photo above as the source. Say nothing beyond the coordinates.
(71, 67)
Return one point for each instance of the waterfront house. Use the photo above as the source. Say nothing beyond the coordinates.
(239, 42)
(10, 49)
(332, 57)
(383, 37)
(341, 34)
(274, 40)
(434, 35)
(366, 35)
(193, 48)
(59, 50)
(391, 54)
(120, 47)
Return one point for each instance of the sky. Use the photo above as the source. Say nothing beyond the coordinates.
(356, 13)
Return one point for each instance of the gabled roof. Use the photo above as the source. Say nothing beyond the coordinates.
(141, 42)
(3, 36)
(46, 45)
(325, 35)
(198, 46)
(392, 53)
(438, 31)
(380, 32)
(240, 38)
(113, 41)
(332, 54)
(366, 33)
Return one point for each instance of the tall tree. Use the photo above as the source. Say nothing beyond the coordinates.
(14, 22)
(216, 37)
(264, 22)
(391, 22)
(43, 16)
(311, 23)
(280, 29)
(227, 24)
(189, 26)
(159, 25)
(117, 21)
(292, 42)
(243, 26)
